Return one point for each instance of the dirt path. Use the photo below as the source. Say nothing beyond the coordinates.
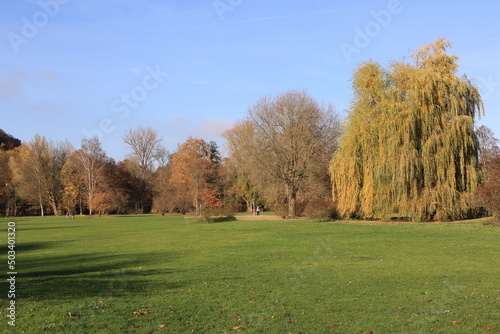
(257, 218)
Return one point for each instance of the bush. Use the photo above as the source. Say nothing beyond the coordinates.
(320, 208)
(280, 210)
(216, 215)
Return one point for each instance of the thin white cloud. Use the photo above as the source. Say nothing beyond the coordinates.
(48, 74)
(213, 128)
(181, 119)
(50, 107)
(11, 87)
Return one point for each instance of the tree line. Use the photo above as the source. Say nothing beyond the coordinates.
(408, 148)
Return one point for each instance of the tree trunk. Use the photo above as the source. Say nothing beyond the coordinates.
(53, 203)
(197, 200)
(292, 207)
(90, 203)
(291, 192)
(41, 206)
(54, 207)
(248, 203)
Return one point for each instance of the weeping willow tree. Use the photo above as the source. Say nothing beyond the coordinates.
(409, 147)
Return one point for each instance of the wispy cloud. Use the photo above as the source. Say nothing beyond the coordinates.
(213, 128)
(11, 86)
(50, 107)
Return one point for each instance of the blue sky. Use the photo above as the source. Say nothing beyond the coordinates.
(76, 68)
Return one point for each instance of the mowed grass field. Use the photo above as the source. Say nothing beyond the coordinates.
(153, 274)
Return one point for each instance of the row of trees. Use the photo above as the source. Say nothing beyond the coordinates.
(408, 148)
(43, 177)
(278, 158)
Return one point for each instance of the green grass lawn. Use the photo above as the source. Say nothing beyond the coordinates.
(152, 274)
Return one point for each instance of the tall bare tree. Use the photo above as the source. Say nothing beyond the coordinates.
(147, 149)
(283, 140)
(88, 163)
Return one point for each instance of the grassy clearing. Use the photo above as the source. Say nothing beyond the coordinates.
(151, 274)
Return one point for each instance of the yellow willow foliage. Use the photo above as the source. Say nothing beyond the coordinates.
(409, 147)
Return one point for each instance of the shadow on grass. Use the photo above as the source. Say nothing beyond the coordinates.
(86, 275)
(40, 227)
(34, 246)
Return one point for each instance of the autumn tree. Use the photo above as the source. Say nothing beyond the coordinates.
(282, 141)
(147, 150)
(7, 193)
(239, 188)
(73, 186)
(118, 185)
(37, 171)
(101, 202)
(8, 203)
(194, 171)
(89, 162)
(409, 147)
(163, 200)
(488, 195)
